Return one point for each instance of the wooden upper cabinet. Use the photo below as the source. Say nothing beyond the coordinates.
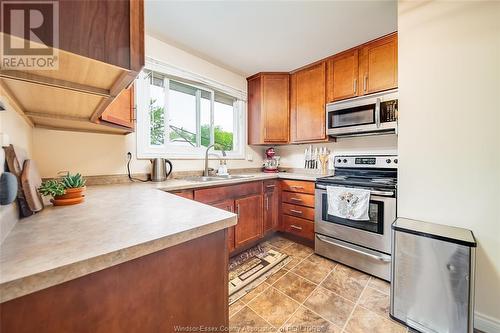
(379, 65)
(121, 110)
(100, 53)
(268, 119)
(342, 77)
(249, 227)
(307, 104)
(108, 31)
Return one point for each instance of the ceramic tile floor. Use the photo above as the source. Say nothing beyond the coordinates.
(314, 294)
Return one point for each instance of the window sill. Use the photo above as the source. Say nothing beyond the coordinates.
(176, 156)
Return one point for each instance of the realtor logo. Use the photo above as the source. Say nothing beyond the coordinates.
(30, 35)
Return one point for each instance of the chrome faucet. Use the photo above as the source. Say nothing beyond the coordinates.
(205, 172)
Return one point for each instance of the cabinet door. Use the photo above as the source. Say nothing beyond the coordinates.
(343, 76)
(275, 107)
(271, 206)
(121, 110)
(249, 227)
(379, 65)
(254, 87)
(308, 96)
(229, 206)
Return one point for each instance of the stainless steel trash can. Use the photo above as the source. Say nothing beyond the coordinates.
(432, 287)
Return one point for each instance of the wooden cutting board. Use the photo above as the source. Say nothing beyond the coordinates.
(31, 181)
(15, 158)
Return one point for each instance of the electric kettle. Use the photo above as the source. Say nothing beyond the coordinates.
(159, 169)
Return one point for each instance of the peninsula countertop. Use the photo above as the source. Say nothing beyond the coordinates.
(115, 224)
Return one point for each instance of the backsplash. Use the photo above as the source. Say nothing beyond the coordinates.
(292, 156)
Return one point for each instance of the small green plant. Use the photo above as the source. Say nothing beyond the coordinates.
(73, 181)
(51, 188)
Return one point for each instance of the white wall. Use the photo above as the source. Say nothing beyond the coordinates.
(292, 156)
(101, 154)
(19, 133)
(449, 140)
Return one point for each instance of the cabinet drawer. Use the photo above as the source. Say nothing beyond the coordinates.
(298, 199)
(298, 226)
(298, 186)
(216, 194)
(299, 211)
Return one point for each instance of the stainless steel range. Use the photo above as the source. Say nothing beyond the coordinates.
(365, 244)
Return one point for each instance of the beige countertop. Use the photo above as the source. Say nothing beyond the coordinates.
(115, 224)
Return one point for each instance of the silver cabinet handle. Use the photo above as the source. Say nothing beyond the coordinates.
(270, 186)
(296, 211)
(296, 199)
(293, 226)
(333, 242)
(267, 202)
(296, 186)
(365, 82)
(355, 85)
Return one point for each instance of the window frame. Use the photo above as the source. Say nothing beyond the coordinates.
(146, 151)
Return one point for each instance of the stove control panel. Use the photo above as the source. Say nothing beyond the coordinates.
(366, 161)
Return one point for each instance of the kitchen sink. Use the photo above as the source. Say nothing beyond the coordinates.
(203, 179)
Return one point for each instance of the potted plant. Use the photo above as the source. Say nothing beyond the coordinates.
(65, 191)
(74, 186)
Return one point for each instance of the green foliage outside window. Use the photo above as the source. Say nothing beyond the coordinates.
(223, 139)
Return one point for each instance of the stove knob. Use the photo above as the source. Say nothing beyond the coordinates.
(388, 160)
(339, 160)
(345, 161)
(396, 160)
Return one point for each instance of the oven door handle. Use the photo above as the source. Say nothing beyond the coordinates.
(374, 192)
(333, 242)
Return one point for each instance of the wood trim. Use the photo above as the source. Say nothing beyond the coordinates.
(56, 83)
(71, 129)
(14, 103)
(55, 116)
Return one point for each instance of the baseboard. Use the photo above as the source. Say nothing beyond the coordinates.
(486, 323)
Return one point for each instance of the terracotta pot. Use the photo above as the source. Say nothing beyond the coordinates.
(71, 193)
(67, 202)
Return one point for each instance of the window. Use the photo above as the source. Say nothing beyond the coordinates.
(179, 118)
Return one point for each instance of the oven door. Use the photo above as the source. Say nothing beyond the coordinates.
(374, 234)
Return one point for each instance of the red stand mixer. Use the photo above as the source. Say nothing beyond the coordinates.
(271, 162)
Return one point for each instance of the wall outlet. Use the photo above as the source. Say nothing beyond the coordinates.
(249, 157)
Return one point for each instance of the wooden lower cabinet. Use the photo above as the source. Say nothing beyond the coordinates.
(249, 227)
(297, 208)
(229, 206)
(181, 286)
(299, 227)
(271, 206)
(246, 200)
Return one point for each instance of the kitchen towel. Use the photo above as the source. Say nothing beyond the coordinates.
(348, 203)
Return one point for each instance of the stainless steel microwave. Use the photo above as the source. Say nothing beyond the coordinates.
(366, 115)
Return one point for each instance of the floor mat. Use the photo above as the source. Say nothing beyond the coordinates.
(252, 267)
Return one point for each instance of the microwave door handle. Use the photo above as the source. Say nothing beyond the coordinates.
(377, 112)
